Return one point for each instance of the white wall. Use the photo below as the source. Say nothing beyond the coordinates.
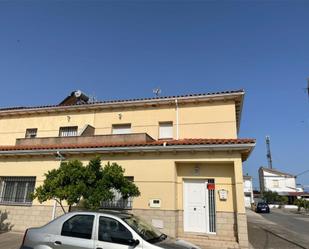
(278, 183)
(248, 192)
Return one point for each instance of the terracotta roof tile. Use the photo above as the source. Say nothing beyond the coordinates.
(124, 100)
(136, 144)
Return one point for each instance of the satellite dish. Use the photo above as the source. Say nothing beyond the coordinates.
(78, 93)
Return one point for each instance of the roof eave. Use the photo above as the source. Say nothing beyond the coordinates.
(121, 104)
(241, 148)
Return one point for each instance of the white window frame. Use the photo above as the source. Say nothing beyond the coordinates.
(119, 129)
(68, 131)
(275, 183)
(166, 130)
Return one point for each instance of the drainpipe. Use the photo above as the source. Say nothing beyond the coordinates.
(177, 119)
(54, 210)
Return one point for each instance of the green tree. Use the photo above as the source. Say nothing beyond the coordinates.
(302, 203)
(274, 198)
(74, 183)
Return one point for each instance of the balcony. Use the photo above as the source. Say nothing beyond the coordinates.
(76, 140)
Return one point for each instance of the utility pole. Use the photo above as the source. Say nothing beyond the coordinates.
(268, 155)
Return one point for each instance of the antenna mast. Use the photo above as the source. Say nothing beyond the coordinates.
(307, 89)
(268, 155)
(157, 92)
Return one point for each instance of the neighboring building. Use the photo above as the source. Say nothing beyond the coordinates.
(248, 191)
(277, 181)
(181, 151)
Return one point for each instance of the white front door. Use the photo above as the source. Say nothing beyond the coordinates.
(195, 210)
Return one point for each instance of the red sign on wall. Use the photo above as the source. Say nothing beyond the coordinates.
(211, 186)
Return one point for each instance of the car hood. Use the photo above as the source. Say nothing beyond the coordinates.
(170, 243)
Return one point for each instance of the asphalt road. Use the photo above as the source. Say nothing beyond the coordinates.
(10, 240)
(278, 230)
(295, 222)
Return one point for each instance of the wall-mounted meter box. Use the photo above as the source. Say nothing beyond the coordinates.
(223, 194)
(155, 203)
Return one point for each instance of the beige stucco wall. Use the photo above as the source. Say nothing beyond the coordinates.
(200, 120)
(157, 175)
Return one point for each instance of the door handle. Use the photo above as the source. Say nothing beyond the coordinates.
(99, 248)
(57, 242)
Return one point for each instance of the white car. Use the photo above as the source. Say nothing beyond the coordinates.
(99, 230)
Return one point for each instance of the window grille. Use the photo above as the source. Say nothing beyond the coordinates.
(118, 202)
(68, 131)
(31, 133)
(212, 208)
(16, 190)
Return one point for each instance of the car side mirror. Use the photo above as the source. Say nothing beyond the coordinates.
(133, 242)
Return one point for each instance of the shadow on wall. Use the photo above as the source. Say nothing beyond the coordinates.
(4, 225)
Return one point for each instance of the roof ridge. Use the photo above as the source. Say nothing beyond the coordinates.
(126, 100)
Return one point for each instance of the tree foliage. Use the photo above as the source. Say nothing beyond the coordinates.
(73, 182)
(302, 203)
(274, 198)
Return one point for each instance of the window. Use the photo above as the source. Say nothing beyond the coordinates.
(121, 129)
(78, 226)
(31, 133)
(16, 190)
(68, 131)
(118, 202)
(275, 183)
(113, 231)
(165, 130)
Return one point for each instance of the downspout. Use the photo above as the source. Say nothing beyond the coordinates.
(54, 210)
(177, 119)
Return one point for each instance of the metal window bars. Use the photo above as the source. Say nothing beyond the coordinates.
(212, 208)
(16, 190)
(68, 131)
(31, 133)
(118, 202)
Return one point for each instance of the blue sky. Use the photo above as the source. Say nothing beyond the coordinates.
(124, 49)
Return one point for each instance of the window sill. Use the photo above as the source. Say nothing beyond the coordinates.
(27, 204)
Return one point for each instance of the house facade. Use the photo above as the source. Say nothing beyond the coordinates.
(277, 181)
(248, 191)
(182, 152)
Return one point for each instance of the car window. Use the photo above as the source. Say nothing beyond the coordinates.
(79, 226)
(146, 231)
(111, 230)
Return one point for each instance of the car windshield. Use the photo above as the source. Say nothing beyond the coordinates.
(146, 231)
(262, 205)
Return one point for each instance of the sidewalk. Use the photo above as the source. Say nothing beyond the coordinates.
(293, 238)
(10, 240)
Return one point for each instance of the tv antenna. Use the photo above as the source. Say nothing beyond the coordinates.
(157, 92)
(268, 155)
(307, 88)
(92, 98)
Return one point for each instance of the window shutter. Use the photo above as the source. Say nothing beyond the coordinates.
(121, 129)
(166, 130)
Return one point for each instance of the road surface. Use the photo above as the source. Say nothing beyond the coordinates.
(278, 230)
